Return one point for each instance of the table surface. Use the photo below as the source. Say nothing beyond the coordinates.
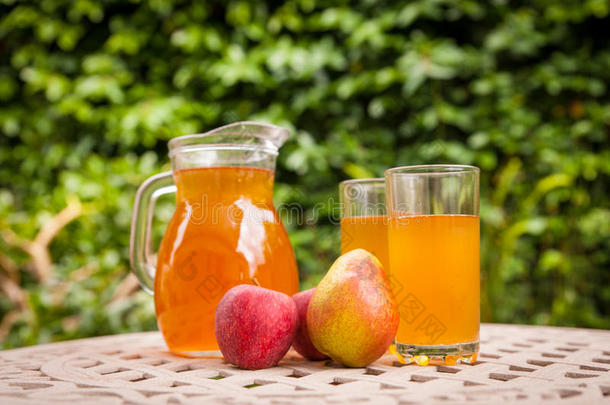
(517, 364)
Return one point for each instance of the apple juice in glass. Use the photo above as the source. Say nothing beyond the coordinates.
(363, 217)
(433, 240)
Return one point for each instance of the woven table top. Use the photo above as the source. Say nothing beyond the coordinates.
(517, 364)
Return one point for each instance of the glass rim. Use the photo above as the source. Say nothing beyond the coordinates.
(368, 180)
(433, 170)
(269, 140)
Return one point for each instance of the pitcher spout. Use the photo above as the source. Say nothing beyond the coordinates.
(245, 133)
(254, 132)
(246, 143)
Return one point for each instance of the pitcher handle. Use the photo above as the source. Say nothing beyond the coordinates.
(142, 256)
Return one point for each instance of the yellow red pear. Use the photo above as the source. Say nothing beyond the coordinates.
(352, 315)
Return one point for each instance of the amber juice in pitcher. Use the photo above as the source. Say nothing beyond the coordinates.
(237, 221)
(224, 232)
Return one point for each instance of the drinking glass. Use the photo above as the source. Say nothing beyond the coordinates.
(433, 240)
(363, 217)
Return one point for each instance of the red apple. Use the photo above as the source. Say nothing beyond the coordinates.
(255, 326)
(302, 342)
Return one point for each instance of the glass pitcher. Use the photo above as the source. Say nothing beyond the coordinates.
(225, 230)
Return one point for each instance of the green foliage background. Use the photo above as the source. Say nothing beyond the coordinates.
(91, 91)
